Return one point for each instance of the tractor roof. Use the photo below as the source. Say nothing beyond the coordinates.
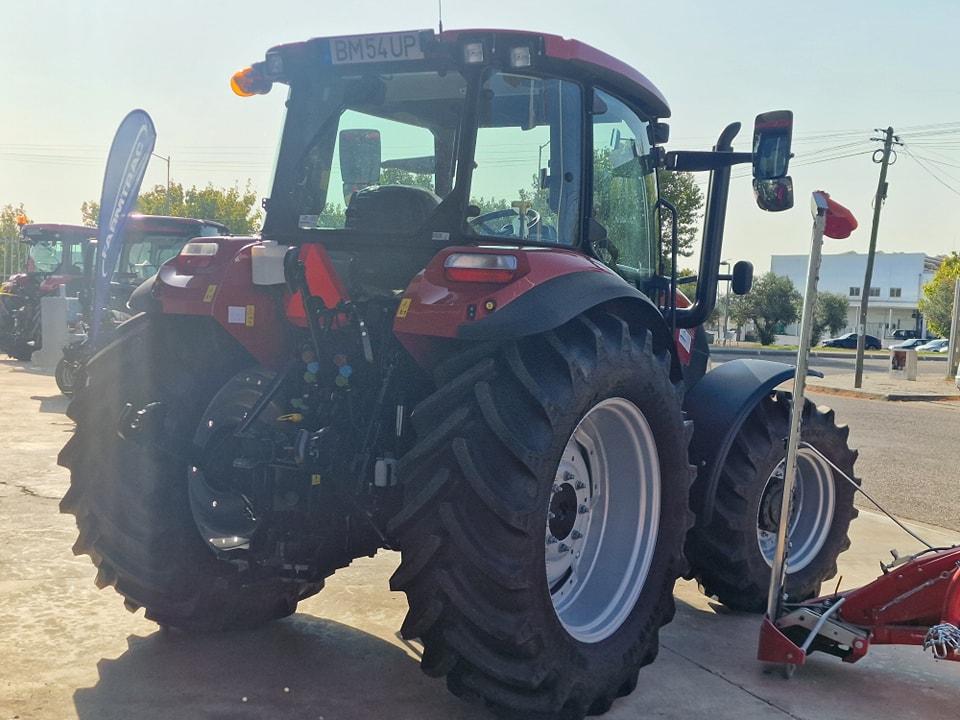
(580, 61)
(51, 232)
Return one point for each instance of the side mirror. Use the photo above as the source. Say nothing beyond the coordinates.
(772, 139)
(359, 160)
(742, 277)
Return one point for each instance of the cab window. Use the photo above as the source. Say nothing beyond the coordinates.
(527, 163)
(624, 192)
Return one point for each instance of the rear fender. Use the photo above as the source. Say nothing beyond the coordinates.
(718, 405)
(224, 290)
(550, 287)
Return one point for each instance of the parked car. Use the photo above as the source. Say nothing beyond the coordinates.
(905, 334)
(911, 344)
(849, 341)
(938, 345)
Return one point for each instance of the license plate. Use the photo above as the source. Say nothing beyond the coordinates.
(375, 48)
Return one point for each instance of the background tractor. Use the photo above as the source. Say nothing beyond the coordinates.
(54, 260)
(148, 241)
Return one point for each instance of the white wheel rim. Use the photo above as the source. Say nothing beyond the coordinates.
(602, 520)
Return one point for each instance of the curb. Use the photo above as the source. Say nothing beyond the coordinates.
(874, 395)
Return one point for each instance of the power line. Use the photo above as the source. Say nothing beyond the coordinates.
(927, 170)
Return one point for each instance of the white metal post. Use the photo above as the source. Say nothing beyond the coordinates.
(778, 571)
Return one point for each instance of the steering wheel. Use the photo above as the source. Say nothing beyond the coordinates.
(482, 223)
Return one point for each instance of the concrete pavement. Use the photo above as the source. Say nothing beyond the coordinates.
(69, 651)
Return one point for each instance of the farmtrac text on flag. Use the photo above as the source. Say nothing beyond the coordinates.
(126, 166)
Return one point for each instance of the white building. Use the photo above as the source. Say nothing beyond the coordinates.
(895, 289)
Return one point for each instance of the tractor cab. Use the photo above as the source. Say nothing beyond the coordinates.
(55, 256)
(397, 145)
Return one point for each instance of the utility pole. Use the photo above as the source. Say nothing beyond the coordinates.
(954, 346)
(882, 157)
(167, 161)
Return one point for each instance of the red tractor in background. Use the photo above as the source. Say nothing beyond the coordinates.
(456, 338)
(148, 241)
(55, 259)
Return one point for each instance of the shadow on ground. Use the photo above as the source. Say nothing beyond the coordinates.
(301, 667)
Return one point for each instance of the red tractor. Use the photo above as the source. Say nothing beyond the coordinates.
(55, 259)
(148, 241)
(456, 338)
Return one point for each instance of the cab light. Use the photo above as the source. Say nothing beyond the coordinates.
(196, 256)
(480, 267)
(250, 81)
(473, 52)
(520, 57)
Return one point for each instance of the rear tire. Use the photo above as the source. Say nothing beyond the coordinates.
(732, 556)
(546, 506)
(130, 499)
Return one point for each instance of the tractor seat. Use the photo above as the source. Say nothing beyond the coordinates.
(390, 208)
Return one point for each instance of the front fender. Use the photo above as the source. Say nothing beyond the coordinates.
(718, 405)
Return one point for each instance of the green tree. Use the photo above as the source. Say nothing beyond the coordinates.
(333, 216)
(90, 213)
(937, 301)
(830, 313)
(12, 253)
(738, 312)
(234, 208)
(773, 302)
(680, 190)
(395, 176)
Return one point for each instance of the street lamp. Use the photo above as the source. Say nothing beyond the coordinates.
(726, 300)
(167, 161)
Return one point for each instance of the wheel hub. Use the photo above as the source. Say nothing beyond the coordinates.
(563, 510)
(602, 520)
(812, 509)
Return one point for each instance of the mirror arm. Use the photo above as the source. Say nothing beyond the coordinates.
(703, 160)
(712, 247)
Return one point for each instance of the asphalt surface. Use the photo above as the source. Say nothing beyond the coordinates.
(880, 384)
(69, 651)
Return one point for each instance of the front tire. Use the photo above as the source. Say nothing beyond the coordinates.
(732, 556)
(65, 375)
(545, 514)
(130, 498)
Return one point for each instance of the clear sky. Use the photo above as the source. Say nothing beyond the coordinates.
(846, 68)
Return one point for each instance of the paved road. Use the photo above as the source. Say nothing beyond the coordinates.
(836, 361)
(909, 455)
(909, 452)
